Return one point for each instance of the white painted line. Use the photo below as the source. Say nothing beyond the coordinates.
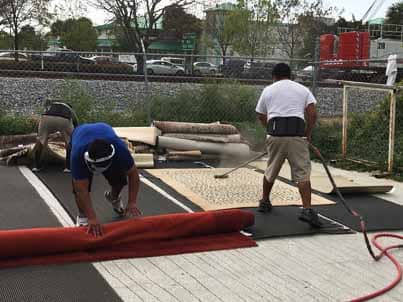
(175, 201)
(204, 164)
(47, 196)
(65, 220)
(165, 194)
(333, 221)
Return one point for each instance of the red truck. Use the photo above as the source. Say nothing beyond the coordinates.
(354, 56)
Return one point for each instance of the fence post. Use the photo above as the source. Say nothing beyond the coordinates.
(345, 122)
(146, 87)
(42, 63)
(392, 119)
(316, 67)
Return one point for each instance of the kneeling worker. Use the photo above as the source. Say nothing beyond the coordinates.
(281, 109)
(96, 149)
(58, 117)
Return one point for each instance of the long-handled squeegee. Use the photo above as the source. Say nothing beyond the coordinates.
(225, 175)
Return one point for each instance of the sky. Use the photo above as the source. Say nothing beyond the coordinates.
(359, 7)
(350, 7)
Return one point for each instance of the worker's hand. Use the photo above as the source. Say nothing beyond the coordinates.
(132, 210)
(94, 227)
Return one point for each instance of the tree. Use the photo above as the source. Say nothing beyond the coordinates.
(256, 19)
(73, 9)
(289, 34)
(137, 19)
(17, 13)
(302, 23)
(394, 14)
(176, 21)
(315, 22)
(223, 27)
(29, 39)
(5, 40)
(80, 34)
(76, 34)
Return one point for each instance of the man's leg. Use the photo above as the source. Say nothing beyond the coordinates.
(41, 139)
(308, 214)
(37, 155)
(276, 158)
(300, 164)
(117, 180)
(267, 186)
(265, 204)
(115, 191)
(304, 188)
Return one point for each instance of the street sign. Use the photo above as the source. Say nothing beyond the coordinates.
(189, 41)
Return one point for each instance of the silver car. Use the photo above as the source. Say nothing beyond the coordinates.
(163, 67)
(204, 68)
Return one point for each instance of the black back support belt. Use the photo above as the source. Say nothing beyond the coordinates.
(286, 126)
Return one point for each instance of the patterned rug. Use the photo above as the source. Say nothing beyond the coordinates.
(242, 189)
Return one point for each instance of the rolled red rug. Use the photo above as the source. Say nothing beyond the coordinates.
(146, 236)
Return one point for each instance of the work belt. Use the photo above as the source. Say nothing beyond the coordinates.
(59, 109)
(286, 126)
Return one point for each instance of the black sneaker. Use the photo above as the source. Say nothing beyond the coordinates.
(310, 216)
(264, 206)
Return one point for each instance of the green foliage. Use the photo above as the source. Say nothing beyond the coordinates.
(13, 125)
(83, 103)
(29, 39)
(395, 13)
(76, 34)
(88, 111)
(223, 28)
(213, 102)
(254, 20)
(178, 22)
(327, 137)
(6, 41)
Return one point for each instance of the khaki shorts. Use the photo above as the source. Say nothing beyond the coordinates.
(50, 124)
(293, 148)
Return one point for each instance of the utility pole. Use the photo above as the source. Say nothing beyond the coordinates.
(316, 67)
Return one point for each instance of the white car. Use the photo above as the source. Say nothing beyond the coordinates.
(11, 56)
(204, 68)
(163, 67)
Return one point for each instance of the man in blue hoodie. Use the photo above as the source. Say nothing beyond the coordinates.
(96, 149)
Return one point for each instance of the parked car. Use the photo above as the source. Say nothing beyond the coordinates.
(11, 56)
(177, 61)
(204, 68)
(258, 70)
(62, 55)
(109, 60)
(232, 67)
(104, 60)
(304, 74)
(163, 67)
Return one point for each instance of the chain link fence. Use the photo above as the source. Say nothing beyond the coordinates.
(116, 88)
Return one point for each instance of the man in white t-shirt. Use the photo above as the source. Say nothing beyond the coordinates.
(282, 108)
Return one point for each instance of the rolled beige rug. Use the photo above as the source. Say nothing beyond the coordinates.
(196, 128)
(236, 150)
(214, 138)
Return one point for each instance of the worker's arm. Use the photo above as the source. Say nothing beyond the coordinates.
(310, 113)
(83, 200)
(262, 118)
(134, 184)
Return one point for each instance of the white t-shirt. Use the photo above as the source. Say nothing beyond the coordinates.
(285, 98)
